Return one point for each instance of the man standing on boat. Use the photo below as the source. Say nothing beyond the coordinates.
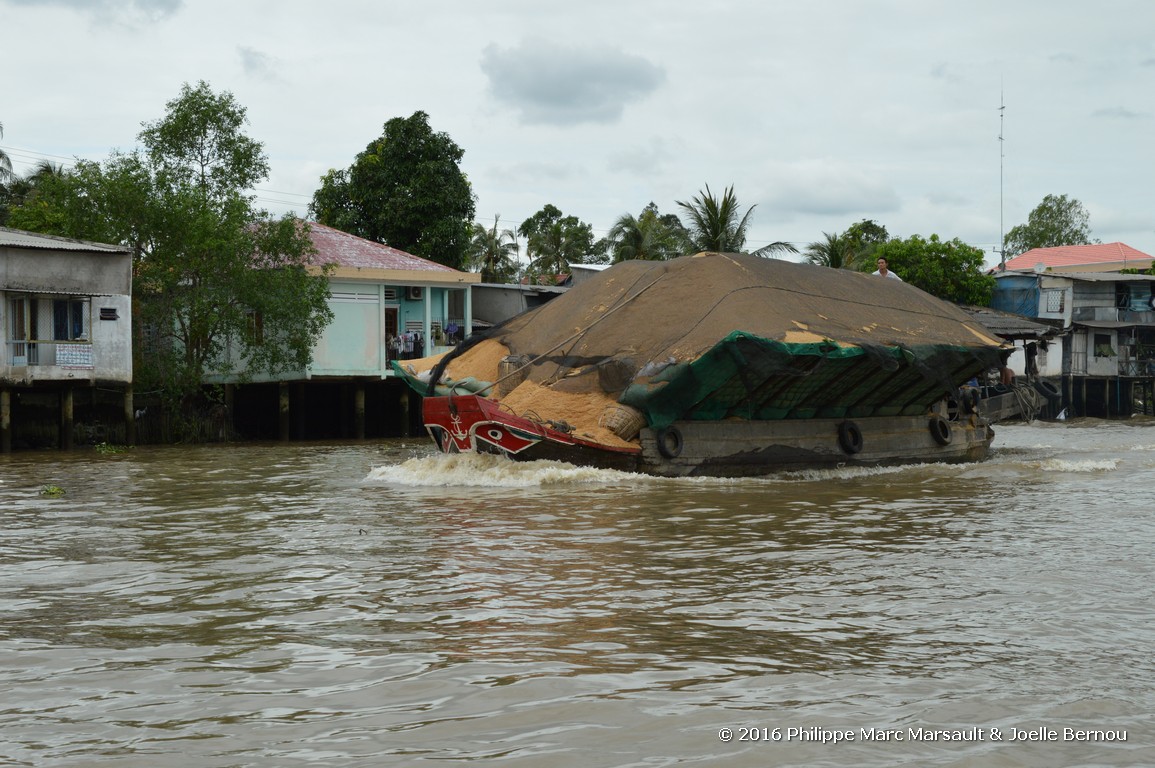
(882, 271)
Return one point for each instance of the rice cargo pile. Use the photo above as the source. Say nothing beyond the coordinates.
(577, 355)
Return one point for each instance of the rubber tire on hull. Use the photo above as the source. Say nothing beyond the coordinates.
(939, 430)
(849, 437)
(669, 441)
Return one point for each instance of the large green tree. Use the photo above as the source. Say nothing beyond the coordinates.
(950, 269)
(212, 273)
(1058, 220)
(493, 252)
(554, 241)
(407, 190)
(718, 225)
(649, 236)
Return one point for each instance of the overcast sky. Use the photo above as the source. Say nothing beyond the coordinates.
(820, 113)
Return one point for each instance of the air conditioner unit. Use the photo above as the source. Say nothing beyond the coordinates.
(413, 293)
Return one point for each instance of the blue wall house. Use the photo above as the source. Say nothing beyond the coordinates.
(1104, 357)
(380, 297)
(66, 364)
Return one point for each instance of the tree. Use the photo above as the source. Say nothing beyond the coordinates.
(951, 270)
(554, 241)
(863, 237)
(5, 161)
(832, 251)
(407, 190)
(493, 252)
(208, 266)
(648, 236)
(1055, 221)
(849, 249)
(20, 190)
(715, 225)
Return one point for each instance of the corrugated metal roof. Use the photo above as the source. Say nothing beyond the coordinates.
(1010, 326)
(18, 238)
(1108, 324)
(1077, 256)
(1106, 277)
(345, 250)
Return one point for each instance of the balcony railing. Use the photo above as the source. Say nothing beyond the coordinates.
(65, 354)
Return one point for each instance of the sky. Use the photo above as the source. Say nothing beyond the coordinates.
(954, 119)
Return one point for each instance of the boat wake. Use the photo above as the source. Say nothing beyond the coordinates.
(492, 471)
(1083, 465)
(481, 470)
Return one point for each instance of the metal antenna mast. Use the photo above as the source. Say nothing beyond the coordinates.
(1002, 241)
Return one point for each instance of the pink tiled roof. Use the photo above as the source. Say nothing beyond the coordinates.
(345, 250)
(1076, 256)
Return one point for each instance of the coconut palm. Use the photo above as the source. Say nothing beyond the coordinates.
(494, 252)
(20, 190)
(5, 161)
(644, 237)
(554, 247)
(833, 251)
(715, 225)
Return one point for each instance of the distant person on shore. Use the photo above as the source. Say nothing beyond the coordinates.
(882, 270)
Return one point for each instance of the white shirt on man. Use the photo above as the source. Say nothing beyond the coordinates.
(889, 273)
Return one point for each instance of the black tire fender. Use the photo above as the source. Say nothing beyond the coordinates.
(939, 430)
(849, 437)
(669, 440)
(1047, 388)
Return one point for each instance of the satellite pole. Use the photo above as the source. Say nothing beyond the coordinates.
(1002, 241)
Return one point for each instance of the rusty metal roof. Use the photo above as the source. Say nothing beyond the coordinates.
(346, 250)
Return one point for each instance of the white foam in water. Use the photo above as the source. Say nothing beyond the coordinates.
(1087, 465)
(490, 471)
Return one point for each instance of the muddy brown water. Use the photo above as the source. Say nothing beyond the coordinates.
(371, 604)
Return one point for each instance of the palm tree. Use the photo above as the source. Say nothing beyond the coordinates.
(494, 252)
(645, 237)
(715, 226)
(5, 161)
(555, 249)
(834, 251)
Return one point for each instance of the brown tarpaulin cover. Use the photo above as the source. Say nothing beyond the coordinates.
(628, 324)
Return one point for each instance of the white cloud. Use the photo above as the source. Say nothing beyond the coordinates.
(1121, 113)
(258, 64)
(829, 188)
(803, 107)
(122, 11)
(561, 85)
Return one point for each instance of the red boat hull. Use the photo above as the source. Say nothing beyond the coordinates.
(470, 423)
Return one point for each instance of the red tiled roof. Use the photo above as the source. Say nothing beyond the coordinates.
(1077, 256)
(345, 250)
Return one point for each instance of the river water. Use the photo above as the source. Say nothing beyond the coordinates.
(373, 604)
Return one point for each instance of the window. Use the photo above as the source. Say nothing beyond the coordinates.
(1103, 346)
(1122, 296)
(1055, 301)
(69, 319)
(256, 328)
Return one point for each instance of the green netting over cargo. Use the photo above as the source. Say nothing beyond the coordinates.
(748, 377)
(721, 336)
